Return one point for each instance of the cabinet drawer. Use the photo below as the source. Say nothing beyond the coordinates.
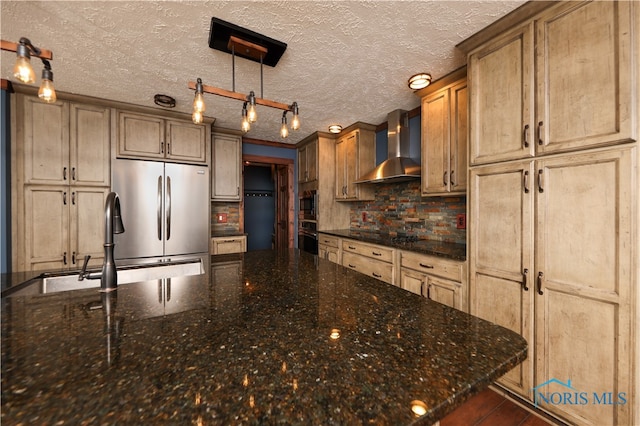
(384, 254)
(328, 240)
(225, 245)
(433, 265)
(380, 270)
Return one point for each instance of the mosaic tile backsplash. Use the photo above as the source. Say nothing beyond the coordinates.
(232, 210)
(399, 209)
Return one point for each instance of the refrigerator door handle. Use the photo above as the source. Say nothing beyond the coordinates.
(168, 208)
(159, 209)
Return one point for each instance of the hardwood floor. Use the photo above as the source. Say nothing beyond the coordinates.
(490, 409)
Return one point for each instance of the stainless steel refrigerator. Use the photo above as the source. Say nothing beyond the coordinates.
(164, 206)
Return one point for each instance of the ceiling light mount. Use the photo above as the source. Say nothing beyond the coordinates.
(23, 70)
(419, 81)
(165, 101)
(335, 128)
(235, 40)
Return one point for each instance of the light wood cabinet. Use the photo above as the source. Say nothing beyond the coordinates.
(553, 204)
(355, 155)
(554, 272)
(226, 166)
(225, 245)
(308, 162)
(369, 259)
(441, 280)
(562, 81)
(64, 143)
(444, 140)
(329, 248)
(62, 225)
(150, 136)
(62, 169)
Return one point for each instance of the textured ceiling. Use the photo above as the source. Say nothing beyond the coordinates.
(346, 61)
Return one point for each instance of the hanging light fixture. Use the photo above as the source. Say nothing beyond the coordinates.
(419, 81)
(47, 92)
(246, 125)
(284, 131)
(23, 71)
(235, 40)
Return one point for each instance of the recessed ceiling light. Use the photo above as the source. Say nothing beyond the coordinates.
(335, 128)
(419, 81)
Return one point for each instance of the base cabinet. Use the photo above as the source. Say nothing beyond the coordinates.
(329, 248)
(440, 280)
(226, 245)
(561, 277)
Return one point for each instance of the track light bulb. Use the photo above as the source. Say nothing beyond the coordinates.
(196, 117)
(23, 70)
(251, 110)
(245, 126)
(47, 92)
(295, 120)
(284, 130)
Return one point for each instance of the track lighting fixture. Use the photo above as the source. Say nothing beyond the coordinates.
(229, 39)
(23, 71)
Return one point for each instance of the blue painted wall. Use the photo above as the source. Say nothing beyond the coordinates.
(5, 186)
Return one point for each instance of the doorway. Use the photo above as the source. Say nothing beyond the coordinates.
(268, 208)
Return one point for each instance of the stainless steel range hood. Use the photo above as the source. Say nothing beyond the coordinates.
(398, 166)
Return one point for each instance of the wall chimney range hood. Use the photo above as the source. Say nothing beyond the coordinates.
(398, 167)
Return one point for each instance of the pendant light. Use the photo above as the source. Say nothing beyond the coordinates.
(284, 130)
(245, 125)
(23, 70)
(47, 92)
(295, 120)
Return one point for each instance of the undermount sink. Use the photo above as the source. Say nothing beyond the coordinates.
(52, 283)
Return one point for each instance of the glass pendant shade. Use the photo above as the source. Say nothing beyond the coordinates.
(47, 92)
(198, 103)
(245, 126)
(251, 110)
(196, 117)
(295, 120)
(284, 130)
(23, 70)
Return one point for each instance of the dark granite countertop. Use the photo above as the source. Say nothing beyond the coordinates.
(451, 251)
(248, 342)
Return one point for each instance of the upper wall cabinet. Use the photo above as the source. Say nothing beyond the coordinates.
(226, 166)
(559, 82)
(64, 143)
(355, 155)
(308, 162)
(444, 137)
(149, 136)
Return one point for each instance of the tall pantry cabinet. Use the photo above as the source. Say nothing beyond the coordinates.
(553, 200)
(61, 170)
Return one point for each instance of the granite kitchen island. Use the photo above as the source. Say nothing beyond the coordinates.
(261, 337)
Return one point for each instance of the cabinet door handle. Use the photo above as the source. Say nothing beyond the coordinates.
(352, 266)
(540, 180)
(161, 147)
(525, 272)
(73, 257)
(429, 291)
(64, 173)
(376, 253)
(64, 258)
(422, 289)
(73, 173)
(73, 200)
(237, 190)
(526, 181)
(444, 178)
(525, 136)
(540, 275)
(351, 247)
(169, 148)
(376, 275)
(426, 266)
(451, 178)
(540, 141)
(64, 198)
